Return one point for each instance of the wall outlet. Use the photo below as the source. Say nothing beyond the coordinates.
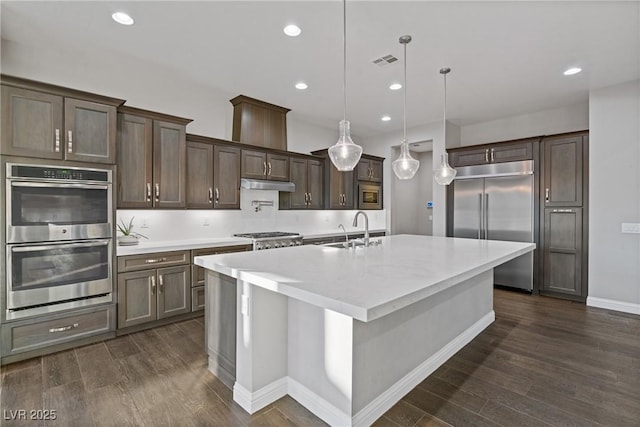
(631, 228)
(205, 222)
(144, 222)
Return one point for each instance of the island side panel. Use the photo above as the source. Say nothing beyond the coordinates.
(261, 346)
(220, 321)
(394, 353)
(320, 361)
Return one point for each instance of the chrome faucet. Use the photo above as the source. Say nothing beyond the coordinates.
(346, 236)
(366, 226)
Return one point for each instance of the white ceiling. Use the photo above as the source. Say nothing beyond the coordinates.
(507, 58)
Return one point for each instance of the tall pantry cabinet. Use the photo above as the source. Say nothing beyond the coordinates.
(564, 214)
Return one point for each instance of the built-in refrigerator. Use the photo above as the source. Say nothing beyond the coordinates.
(495, 202)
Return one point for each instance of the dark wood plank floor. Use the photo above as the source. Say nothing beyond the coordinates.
(544, 362)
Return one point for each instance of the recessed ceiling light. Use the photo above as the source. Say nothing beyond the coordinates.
(385, 118)
(572, 71)
(122, 18)
(301, 86)
(292, 30)
(395, 86)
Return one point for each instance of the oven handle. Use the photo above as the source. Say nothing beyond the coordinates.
(66, 245)
(100, 186)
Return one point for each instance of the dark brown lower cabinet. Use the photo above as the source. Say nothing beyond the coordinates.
(562, 251)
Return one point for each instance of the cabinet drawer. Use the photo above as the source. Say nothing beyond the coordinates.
(198, 273)
(197, 298)
(31, 335)
(160, 259)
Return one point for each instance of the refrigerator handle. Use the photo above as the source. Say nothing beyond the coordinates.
(480, 221)
(486, 216)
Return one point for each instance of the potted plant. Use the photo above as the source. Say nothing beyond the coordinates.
(129, 237)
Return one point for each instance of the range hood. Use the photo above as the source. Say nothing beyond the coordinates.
(261, 184)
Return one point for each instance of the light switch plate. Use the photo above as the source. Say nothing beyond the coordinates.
(631, 227)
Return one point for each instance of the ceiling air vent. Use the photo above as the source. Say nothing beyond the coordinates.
(385, 60)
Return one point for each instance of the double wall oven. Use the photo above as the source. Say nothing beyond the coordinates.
(58, 237)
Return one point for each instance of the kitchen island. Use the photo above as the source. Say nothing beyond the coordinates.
(346, 332)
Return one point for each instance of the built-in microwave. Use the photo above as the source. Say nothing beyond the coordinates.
(52, 203)
(369, 196)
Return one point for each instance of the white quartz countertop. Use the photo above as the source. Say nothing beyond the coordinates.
(151, 246)
(367, 283)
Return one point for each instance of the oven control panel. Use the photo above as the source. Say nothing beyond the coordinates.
(64, 174)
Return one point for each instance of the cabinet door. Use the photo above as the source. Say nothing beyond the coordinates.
(199, 175)
(476, 156)
(136, 297)
(226, 177)
(348, 190)
(31, 124)
(562, 251)
(563, 172)
(254, 164)
(315, 186)
(277, 167)
(511, 152)
(90, 131)
(341, 189)
(363, 170)
(376, 170)
(169, 164)
(298, 199)
(174, 291)
(135, 161)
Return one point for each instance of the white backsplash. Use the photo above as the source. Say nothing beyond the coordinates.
(162, 225)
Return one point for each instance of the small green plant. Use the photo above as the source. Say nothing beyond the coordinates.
(127, 229)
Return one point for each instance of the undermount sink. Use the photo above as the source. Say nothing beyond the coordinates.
(345, 245)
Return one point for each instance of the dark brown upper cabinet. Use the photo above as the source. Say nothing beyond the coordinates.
(151, 157)
(306, 174)
(259, 123)
(563, 171)
(264, 165)
(338, 186)
(369, 169)
(493, 153)
(213, 174)
(50, 122)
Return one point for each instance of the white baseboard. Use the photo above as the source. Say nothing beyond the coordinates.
(610, 304)
(319, 406)
(253, 402)
(374, 410)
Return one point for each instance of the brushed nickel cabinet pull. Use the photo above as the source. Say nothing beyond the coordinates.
(269, 171)
(217, 195)
(563, 210)
(310, 200)
(70, 145)
(306, 198)
(157, 192)
(57, 146)
(63, 328)
(264, 168)
(486, 155)
(153, 285)
(546, 195)
(148, 191)
(492, 157)
(210, 195)
(155, 260)
(161, 283)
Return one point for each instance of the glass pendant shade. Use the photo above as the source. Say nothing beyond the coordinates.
(405, 166)
(445, 173)
(345, 155)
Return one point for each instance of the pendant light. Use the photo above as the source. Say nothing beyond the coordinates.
(405, 166)
(345, 155)
(445, 173)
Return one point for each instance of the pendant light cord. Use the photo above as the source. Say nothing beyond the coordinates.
(344, 58)
(445, 112)
(405, 94)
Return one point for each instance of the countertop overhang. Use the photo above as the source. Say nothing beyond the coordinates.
(367, 283)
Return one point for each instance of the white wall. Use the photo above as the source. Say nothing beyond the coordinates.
(569, 118)
(614, 197)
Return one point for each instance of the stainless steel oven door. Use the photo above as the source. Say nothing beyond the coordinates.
(369, 196)
(45, 211)
(47, 273)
